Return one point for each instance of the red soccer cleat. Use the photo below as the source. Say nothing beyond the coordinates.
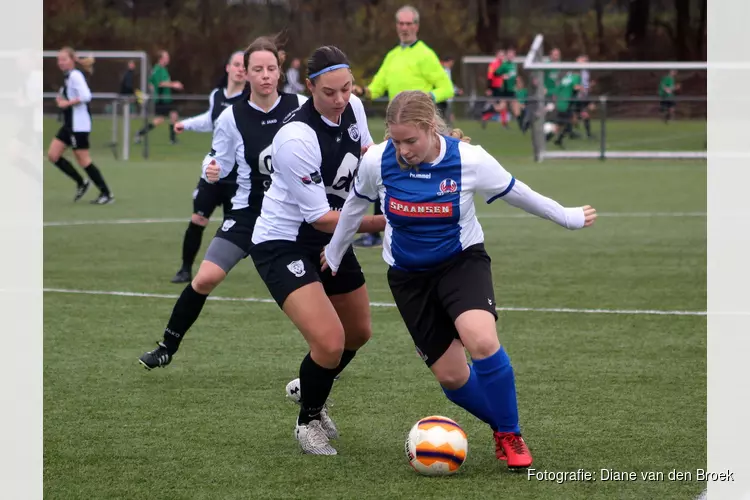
(511, 447)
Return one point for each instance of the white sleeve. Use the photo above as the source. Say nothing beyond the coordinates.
(224, 145)
(79, 87)
(523, 197)
(202, 122)
(359, 113)
(366, 185)
(296, 157)
(492, 180)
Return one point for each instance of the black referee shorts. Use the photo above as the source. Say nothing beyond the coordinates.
(285, 266)
(430, 301)
(207, 197)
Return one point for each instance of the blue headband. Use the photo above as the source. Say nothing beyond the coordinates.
(326, 70)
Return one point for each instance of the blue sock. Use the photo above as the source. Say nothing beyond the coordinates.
(495, 375)
(470, 397)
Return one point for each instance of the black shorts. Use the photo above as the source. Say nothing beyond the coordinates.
(285, 266)
(563, 117)
(666, 104)
(164, 108)
(237, 228)
(579, 105)
(207, 197)
(503, 94)
(430, 301)
(443, 107)
(75, 140)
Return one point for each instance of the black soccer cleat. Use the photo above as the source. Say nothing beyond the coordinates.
(81, 190)
(182, 276)
(157, 358)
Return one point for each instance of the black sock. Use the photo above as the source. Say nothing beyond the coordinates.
(191, 244)
(587, 126)
(69, 170)
(346, 357)
(172, 135)
(315, 382)
(145, 130)
(96, 177)
(186, 310)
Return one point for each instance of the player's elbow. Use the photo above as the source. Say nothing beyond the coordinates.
(327, 222)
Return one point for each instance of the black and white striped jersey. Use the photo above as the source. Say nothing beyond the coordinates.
(314, 163)
(241, 146)
(78, 117)
(218, 101)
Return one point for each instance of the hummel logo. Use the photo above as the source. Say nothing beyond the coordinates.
(489, 301)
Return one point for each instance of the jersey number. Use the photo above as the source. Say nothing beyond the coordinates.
(265, 166)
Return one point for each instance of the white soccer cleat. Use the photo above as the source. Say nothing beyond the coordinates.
(294, 393)
(313, 440)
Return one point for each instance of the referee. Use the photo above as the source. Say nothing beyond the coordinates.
(412, 65)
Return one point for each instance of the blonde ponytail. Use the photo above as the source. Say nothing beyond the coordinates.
(86, 63)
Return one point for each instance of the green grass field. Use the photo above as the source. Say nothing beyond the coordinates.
(604, 384)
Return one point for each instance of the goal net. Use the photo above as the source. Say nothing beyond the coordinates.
(115, 116)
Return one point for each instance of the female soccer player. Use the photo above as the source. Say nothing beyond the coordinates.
(241, 144)
(315, 156)
(440, 274)
(73, 101)
(207, 196)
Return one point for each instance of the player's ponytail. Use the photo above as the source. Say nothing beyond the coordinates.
(459, 134)
(86, 63)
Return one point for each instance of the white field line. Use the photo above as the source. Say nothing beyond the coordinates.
(638, 312)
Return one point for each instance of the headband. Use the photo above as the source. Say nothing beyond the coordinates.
(326, 70)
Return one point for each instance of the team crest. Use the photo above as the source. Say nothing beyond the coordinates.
(354, 132)
(447, 186)
(297, 268)
(227, 225)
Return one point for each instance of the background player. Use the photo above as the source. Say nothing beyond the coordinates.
(440, 273)
(74, 133)
(315, 156)
(667, 88)
(162, 86)
(206, 196)
(241, 144)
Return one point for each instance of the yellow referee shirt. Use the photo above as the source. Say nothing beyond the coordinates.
(413, 67)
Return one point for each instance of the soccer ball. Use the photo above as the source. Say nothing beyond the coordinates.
(549, 128)
(436, 446)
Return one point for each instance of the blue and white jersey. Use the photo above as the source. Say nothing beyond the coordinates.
(430, 211)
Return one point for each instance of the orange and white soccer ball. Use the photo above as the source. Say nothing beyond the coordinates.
(436, 446)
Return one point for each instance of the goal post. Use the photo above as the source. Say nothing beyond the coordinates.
(118, 106)
(623, 106)
(536, 65)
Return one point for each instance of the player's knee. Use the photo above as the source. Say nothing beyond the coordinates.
(53, 156)
(452, 377)
(485, 345)
(199, 220)
(205, 282)
(327, 349)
